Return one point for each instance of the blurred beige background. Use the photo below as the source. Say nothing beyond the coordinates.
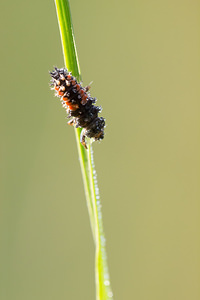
(144, 59)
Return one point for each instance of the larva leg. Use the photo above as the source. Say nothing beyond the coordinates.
(71, 122)
(82, 138)
(88, 86)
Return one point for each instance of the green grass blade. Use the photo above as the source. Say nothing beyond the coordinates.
(103, 290)
(72, 64)
(67, 37)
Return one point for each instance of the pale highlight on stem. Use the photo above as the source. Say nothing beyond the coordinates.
(103, 288)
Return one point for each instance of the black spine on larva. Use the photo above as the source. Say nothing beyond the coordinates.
(78, 103)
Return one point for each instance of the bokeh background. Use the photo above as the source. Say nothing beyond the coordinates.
(144, 59)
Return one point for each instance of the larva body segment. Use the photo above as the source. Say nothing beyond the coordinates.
(78, 104)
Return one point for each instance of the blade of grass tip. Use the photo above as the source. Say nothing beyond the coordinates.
(72, 64)
(86, 159)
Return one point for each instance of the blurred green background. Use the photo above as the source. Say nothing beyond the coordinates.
(144, 59)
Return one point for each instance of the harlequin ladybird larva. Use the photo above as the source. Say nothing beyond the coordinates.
(79, 105)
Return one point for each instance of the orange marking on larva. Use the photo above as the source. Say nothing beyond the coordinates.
(78, 87)
(56, 87)
(81, 92)
(65, 99)
(73, 106)
(73, 82)
(60, 93)
(69, 77)
(84, 99)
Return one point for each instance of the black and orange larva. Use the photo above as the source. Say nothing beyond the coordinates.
(79, 105)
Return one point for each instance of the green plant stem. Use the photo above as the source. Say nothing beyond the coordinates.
(103, 290)
(84, 162)
(72, 64)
